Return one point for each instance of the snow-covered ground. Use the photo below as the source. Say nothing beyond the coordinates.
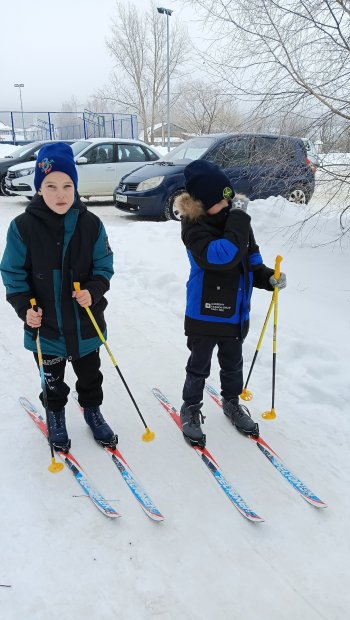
(62, 558)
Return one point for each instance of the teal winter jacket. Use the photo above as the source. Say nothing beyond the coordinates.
(45, 253)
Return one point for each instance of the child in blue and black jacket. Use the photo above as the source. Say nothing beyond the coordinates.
(54, 243)
(225, 264)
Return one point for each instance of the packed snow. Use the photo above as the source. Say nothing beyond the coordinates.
(62, 558)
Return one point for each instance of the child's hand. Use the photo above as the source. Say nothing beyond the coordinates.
(280, 283)
(33, 318)
(83, 297)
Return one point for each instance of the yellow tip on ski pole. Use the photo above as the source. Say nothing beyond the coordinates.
(148, 435)
(246, 394)
(55, 467)
(269, 415)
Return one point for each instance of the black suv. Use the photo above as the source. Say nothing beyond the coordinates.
(27, 152)
(258, 165)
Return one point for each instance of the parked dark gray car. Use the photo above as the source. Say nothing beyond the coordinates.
(258, 165)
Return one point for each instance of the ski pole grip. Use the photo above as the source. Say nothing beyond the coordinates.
(33, 304)
(76, 286)
(277, 273)
(36, 330)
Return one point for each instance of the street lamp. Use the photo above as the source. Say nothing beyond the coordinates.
(168, 13)
(20, 98)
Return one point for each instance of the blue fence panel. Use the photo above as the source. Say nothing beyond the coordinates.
(18, 127)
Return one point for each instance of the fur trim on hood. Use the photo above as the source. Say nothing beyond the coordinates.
(193, 209)
(189, 207)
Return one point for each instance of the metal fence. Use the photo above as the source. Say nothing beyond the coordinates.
(21, 127)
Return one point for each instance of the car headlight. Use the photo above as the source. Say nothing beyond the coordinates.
(24, 172)
(149, 184)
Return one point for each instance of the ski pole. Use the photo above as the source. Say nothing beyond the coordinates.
(148, 435)
(271, 415)
(54, 467)
(247, 394)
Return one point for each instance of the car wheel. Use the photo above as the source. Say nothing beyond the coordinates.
(299, 194)
(3, 189)
(170, 212)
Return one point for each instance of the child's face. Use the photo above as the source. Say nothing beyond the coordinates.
(219, 206)
(57, 190)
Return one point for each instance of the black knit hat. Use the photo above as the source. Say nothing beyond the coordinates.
(206, 182)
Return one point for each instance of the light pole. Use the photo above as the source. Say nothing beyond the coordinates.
(20, 98)
(168, 13)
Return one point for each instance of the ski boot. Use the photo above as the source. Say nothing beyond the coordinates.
(102, 433)
(240, 417)
(191, 416)
(58, 431)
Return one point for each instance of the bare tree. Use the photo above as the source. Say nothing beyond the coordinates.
(138, 44)
(291, 54)
(204, 108)
(95, 104)
(287, 61)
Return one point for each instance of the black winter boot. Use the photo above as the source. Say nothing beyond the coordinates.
(100, 429)
(240, 417)
(58, 430)
(191, 416)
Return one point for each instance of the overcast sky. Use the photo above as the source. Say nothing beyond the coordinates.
(57, 49)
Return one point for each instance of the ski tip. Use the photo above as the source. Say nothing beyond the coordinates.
(256, 519)
(315, 501)
(111, 515)
(250, 515)
(157, 517)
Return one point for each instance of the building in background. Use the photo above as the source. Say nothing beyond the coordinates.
(177, 135)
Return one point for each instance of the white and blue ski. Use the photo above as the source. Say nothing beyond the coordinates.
(135, 487)
(211, 463)
(68, 459)
(276, 461)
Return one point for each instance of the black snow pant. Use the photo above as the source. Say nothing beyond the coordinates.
(88, 385)
(199, 362)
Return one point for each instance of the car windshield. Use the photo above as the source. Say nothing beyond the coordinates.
(191, 149)
(21, 151)
(79, 146)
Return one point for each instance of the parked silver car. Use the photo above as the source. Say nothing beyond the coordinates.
(101, 162)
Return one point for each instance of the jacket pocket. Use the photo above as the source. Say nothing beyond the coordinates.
(220, 294)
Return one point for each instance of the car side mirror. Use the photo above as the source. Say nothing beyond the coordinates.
(33, 157)
(81, 160)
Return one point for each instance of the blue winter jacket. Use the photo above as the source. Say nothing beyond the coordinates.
(225, 264)
(45, 253)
